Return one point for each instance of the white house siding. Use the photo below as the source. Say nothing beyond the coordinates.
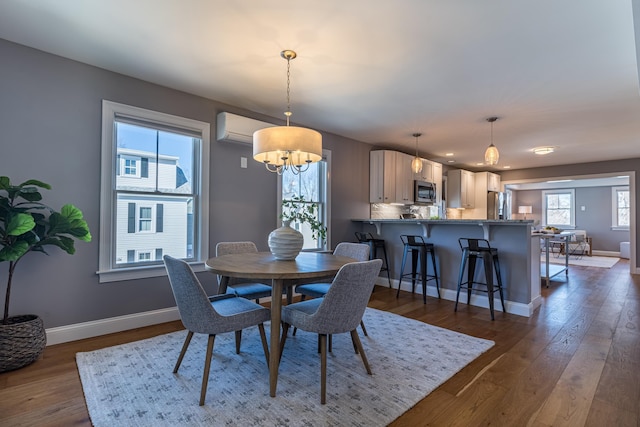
(173, 238)
(166, 180)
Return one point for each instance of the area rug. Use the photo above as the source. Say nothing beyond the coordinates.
(584, 261)
(133, 384)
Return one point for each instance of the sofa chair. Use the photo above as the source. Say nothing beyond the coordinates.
(580, 243)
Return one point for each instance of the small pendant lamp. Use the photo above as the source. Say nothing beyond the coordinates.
(416, 163)
(491, 155)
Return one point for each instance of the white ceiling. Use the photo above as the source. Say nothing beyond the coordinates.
(561, 73)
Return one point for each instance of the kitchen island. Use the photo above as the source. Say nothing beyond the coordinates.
(519, 256)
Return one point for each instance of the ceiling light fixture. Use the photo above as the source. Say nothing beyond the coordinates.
(541, 151)
(416, 163)
(492, 155)
(283, 148)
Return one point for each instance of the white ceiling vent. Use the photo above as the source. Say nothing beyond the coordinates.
(234, 128)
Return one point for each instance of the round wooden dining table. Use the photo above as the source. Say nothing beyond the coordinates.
(263, 266)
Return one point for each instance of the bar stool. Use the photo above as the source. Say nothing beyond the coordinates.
(417, 246)
(374, 245)
(472, 249)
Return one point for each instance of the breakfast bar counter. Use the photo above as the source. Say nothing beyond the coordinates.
(519, 255)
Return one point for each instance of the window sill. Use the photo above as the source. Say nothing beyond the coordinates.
(616, 228)
(140, 272)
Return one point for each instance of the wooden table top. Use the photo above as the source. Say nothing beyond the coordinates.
(263, 265)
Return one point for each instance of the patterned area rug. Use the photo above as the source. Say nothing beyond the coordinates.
(584, 261)
(133, 384)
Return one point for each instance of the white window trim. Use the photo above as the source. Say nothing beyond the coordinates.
(326, 156)
(614, 208)
(123, 165)
(106, 270)
(139, 252)
(572, 219)
(151, 220)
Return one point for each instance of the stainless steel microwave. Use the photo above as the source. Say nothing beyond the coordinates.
(425, 192)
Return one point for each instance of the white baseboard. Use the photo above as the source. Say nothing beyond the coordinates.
(111, 325)
(517, 308)
(615, 254)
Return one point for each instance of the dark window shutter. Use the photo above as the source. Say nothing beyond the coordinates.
(144, 167)
(159, 254)
(131, 256)
(159, 218)
(118, 164)
(131, 219)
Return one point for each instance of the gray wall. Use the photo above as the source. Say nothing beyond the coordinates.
(595, 219)
(50, 116)
(584, 170)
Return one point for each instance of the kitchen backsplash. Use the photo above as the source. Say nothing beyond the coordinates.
(388, 211)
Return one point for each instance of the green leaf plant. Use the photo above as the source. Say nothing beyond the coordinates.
(297, 209)
(28, 225)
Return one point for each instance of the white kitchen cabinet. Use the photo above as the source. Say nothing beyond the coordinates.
(426, 174)
(382, 176)
(484, 183)
(493, 181)
(460, 189)
(437, 179)
(404, 179)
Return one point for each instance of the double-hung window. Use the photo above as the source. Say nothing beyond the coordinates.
(314, 186)
(621, 208)
(558, 207)
(154, 191)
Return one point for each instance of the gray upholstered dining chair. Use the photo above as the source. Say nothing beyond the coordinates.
(211, 315)
(340, 311)
(357, 251)
(243, 288)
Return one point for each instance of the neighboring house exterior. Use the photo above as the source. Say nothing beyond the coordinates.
(147, 235)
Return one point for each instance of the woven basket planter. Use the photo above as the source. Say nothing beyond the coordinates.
(22, 341)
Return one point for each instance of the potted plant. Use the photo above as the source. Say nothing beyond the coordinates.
(285, 242)
(27, 225)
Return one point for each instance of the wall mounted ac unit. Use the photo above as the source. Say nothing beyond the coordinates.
(234, 128)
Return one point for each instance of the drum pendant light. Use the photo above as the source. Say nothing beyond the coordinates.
(283, 148)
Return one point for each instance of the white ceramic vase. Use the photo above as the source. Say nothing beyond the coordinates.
(285, 242)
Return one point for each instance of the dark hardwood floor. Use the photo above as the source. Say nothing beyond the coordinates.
(575, 362)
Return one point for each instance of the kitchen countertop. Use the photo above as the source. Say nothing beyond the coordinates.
(448, 221)
(427, 224)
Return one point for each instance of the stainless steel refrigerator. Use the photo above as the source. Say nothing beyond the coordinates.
(496, 203)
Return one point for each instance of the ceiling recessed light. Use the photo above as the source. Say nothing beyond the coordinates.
(449, 154)
(451, 161)
(541, 151)
(506, 167)
(480, 164)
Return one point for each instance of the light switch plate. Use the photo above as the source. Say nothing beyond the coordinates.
(243, 162)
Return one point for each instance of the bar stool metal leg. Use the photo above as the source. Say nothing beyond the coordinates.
(435, 271)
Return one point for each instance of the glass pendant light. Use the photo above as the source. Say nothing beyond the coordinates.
(416, 163)
(491, 155)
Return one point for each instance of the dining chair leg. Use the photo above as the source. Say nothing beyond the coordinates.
(356, 340)
(183, 351)
(238, 340)
(263, 337)
(355, 347)
(323, 369)
(207, 366)
(364, 330)
(330, 343)
(285, 330)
